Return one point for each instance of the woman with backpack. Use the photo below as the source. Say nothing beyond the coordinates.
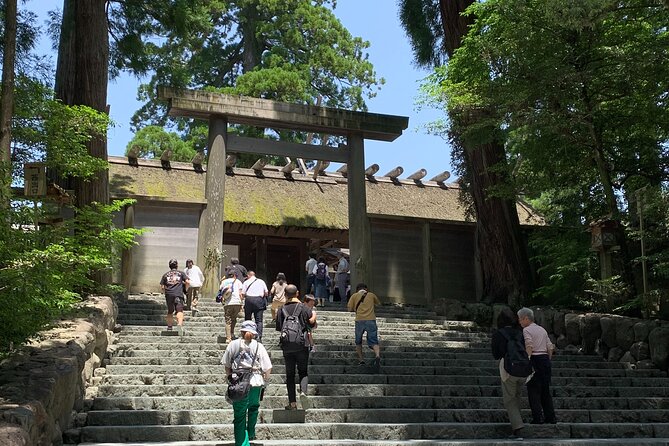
(508, 346)
(246, 354)
(321, 282)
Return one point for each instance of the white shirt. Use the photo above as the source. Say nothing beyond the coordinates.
(238, 355)
(236, 287)
(255, 287)
(310, 265)
(342, 266)
(195, 276)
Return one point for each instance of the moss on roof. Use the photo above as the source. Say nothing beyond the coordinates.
(274, 200)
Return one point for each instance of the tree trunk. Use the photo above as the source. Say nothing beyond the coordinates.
(454, 23)
(81, 79)
(505, 265)
(504, 261)
(252, 52)
(7, 98)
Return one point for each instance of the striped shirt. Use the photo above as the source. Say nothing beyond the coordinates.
(537, 339)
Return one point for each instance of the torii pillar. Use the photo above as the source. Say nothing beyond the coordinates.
(219, 109)
(359, 232)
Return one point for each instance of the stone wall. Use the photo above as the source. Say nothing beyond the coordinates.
(640, 343)
(43, 385)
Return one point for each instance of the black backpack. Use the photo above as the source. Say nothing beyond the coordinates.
(321, 271)
(292, 332)
(516, 362)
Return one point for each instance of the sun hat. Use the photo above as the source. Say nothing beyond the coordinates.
(249, 326)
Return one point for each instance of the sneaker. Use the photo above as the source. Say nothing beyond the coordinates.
(361, 362)
(169, 328)
(516, 434)
(312, 349)
(180, 330)
(304, 400)
(290, 407)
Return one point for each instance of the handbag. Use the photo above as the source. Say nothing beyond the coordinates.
(239, 382)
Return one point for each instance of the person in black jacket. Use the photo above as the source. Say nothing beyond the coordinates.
(295, 353)
(507, 323)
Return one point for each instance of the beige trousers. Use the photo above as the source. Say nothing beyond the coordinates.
(276, 306)
(511, 390)
(231, 312)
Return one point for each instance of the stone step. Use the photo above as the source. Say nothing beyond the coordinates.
(222, 416)
(438, 386)
(321, 359)
(200, 325)
(160, 299)
(176, 378)
(212, 307)
(491, 370)
(329, 345)
(380, 431)
(271, 334)
(345, 340)
(348, 354)
(479, 442)
(327, 354)
(382, 390)
(362, 402)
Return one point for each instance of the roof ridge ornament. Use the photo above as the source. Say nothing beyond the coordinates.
(443, 176)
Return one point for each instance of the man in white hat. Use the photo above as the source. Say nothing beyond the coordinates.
(243, 354)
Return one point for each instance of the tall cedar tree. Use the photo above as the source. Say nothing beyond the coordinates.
(81, 79)
(7, 98)
(436, 30)
(290, 51)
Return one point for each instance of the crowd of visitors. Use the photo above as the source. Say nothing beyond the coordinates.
(522, 347)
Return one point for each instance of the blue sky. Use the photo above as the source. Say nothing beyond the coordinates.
(375, 21)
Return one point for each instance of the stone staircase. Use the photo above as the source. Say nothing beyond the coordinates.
(438, 386)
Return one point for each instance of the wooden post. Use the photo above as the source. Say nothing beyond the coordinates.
(427, 264)
(304, 254)
(359, 233)
(126, 257)
(210, 232)
(261, 259)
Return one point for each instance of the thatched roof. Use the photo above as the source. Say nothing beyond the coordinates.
(275, 199)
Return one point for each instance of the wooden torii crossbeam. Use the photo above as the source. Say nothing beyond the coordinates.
(221, 109)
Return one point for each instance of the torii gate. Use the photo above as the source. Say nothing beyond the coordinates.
(220, 109)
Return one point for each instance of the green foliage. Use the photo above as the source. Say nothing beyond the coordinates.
(151, 141)
(291, 50)
(422, 21)
(607, 295)
(67, 130)
(579, 88)
(44, 129)
(654, 209)
(46, 269)
(562, 258)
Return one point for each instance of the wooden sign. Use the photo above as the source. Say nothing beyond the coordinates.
(34, 179)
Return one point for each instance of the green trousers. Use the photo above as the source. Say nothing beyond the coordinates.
(246, 415)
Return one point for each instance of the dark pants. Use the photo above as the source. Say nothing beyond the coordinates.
(311, 280)
(254, 306)
(300, 359)
(539, 390)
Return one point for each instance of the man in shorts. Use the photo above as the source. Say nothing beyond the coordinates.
(362, 303)
(174, 283)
